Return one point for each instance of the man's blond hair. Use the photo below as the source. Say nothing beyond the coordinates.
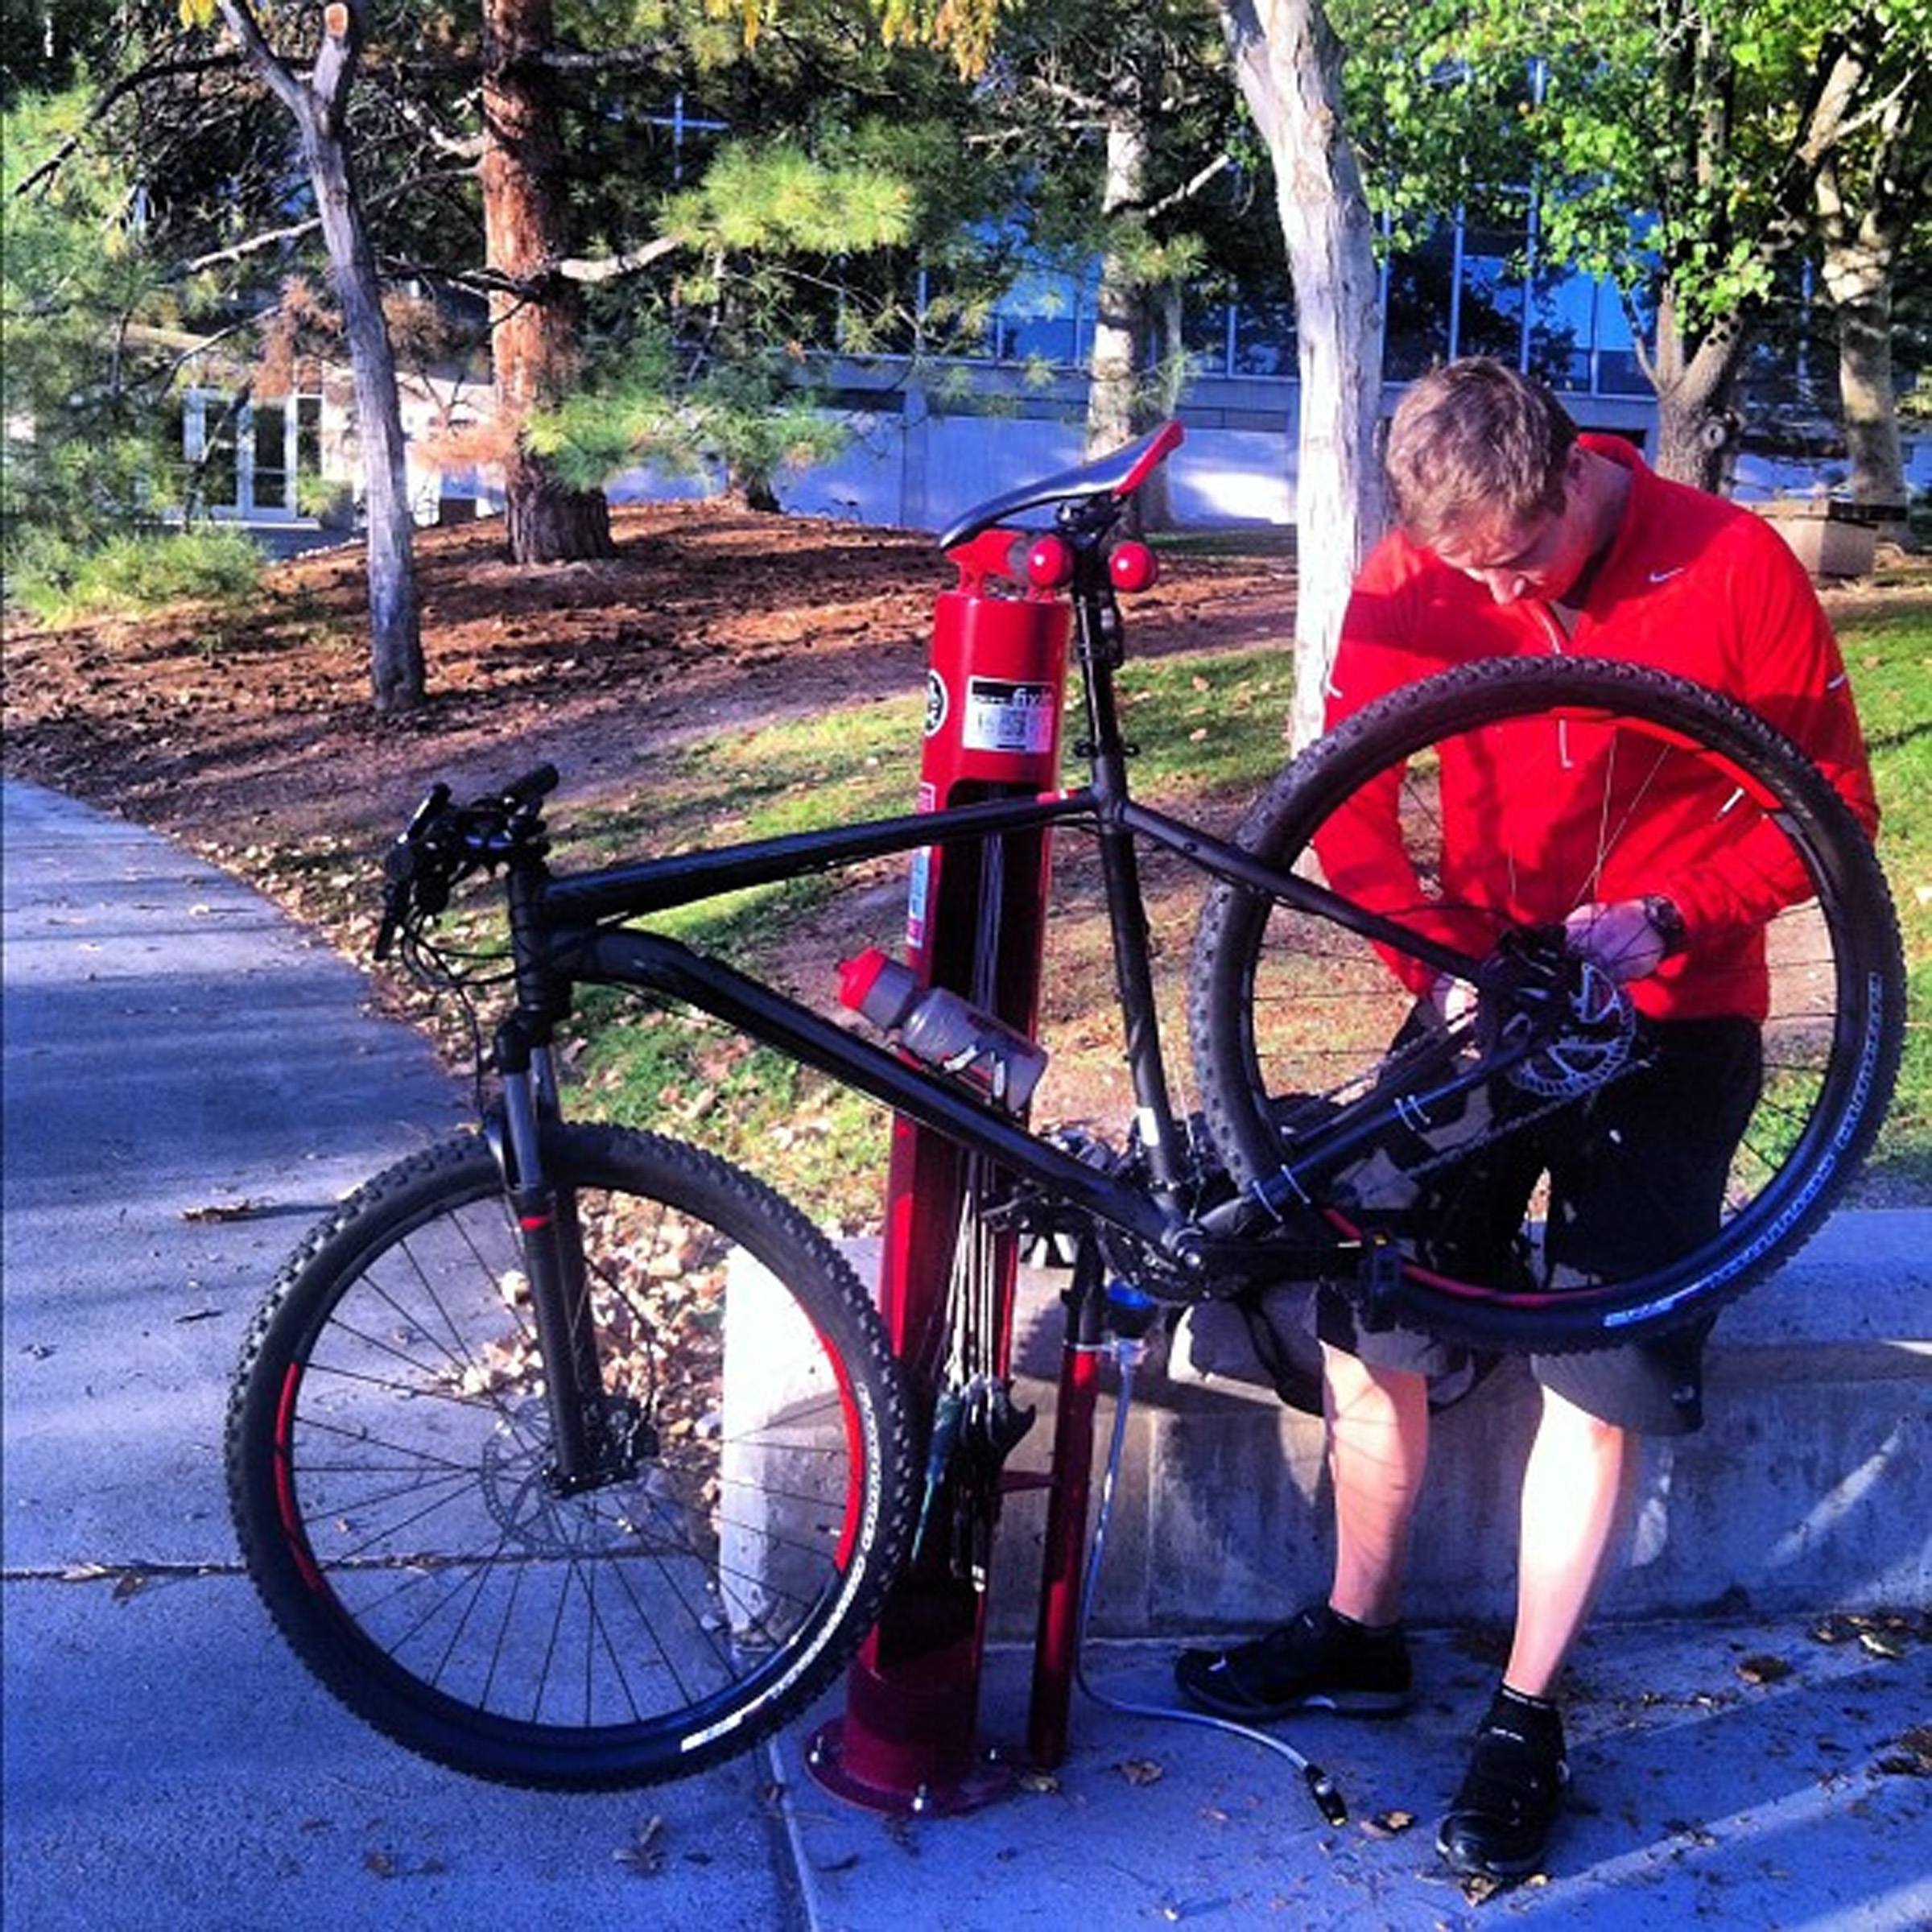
(1474, 444)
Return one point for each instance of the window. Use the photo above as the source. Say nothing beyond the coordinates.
(1562, 328)
(273, 481)
(1489, 290)
(1264, 336)
(1042, 318)
(1416, 302)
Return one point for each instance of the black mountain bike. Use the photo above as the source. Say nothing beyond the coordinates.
(572, 1455)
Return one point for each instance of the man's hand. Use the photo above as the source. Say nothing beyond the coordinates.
(1624, 937)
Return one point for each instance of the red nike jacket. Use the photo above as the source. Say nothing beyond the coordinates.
(1692, 585)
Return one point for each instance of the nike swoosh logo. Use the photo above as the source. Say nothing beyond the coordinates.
(1663, 577)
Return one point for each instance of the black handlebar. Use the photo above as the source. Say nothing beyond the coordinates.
(442, 844)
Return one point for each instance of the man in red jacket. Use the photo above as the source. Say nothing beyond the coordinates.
(1517, 537)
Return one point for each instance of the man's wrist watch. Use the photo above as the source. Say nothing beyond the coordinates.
(1665, 921)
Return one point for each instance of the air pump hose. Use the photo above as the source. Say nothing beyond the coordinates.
(1127, 1354)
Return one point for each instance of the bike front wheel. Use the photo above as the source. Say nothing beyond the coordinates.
(1597, 782)
(390, 1466)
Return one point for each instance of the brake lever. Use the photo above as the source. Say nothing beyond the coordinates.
(400, 868)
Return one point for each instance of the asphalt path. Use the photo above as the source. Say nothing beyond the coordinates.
(189, 1082)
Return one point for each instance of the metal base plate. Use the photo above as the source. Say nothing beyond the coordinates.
(989, 1780)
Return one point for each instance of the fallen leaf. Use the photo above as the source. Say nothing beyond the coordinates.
(644, 1853)
(1141, 1771)
(222, 1211)
(1041, 1783)
(1876, 1643)
(1763, 1670)
(1914, 1760)
(1690, 1828)
(1387, 1824)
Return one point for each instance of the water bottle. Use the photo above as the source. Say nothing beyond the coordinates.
(935, 1025)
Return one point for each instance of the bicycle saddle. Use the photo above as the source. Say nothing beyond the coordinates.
(1118, 475)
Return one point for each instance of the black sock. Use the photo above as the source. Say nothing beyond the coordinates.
(1507, 1694)
(1361, 1629)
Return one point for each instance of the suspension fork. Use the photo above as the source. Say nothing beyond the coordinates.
(549, 1227)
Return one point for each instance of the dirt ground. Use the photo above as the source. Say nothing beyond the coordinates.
(258, 730)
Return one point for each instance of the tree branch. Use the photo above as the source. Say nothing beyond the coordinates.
(239, 17)
(609, 268)
(98, 108)
(1189, 189)
(295, 231)
(576, 61)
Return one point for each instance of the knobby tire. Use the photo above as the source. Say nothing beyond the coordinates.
(1290, 1017)
(387, 1443)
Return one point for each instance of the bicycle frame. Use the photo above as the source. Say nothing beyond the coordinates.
(565, 931)
(577, 947)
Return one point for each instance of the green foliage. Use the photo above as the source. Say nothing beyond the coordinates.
(781, 199)
(90, 447)
(1659, 135)
(743, 419)
(716, 380)
(58, 582)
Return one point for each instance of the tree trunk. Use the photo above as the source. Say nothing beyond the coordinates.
(318, 106)
(1288, 64)
(1121, 401)
(1859, 255)
(1121, 317)
(533, 323)
(396, 670)
(1696, 425)
(1869, 397)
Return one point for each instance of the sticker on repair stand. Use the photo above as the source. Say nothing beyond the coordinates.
(1003, 715)
(937, 703)
(915, 898)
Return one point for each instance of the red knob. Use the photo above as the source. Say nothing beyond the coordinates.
(1133, 566)
(1049, 564)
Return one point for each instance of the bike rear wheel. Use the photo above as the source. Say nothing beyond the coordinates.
(388, 1446)
(1291, 1016)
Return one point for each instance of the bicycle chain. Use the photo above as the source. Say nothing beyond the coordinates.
(1503, 1130)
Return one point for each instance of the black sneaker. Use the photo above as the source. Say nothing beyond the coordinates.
(1320, 1661)
(1500, 1819)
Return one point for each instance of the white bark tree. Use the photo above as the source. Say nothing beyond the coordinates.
(1288, 62)
(318, 102)
(1870, 195)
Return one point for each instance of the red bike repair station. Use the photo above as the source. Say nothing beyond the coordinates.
(909, 1740)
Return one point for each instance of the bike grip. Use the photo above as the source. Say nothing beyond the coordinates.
(532, 786)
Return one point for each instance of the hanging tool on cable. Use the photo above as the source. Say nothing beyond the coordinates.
(975, 1423)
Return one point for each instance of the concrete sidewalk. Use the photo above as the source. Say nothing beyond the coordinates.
(188, 1081)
